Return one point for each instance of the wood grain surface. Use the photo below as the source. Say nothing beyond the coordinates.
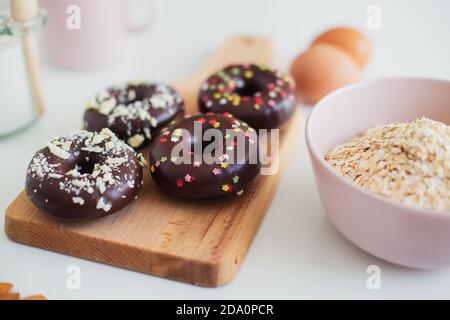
(199, 242)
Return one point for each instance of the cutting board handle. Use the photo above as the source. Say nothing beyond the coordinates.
(237, 49)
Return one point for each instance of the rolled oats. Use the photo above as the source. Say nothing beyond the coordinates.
(406, 162)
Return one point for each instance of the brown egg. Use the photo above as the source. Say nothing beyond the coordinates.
(350, 40)
(322, 69)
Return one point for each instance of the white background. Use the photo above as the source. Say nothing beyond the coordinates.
(296, 253)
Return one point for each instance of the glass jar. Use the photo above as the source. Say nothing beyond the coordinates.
(17, 108)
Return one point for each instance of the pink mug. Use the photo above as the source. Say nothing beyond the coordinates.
(89, 34)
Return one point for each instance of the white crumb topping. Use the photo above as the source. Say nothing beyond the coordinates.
(147, 133)
(117, 161)
(98, 138)
(78, 200)
(161, 100)
(66, 145)
(136, 140)
(107, 132)
(87, 175)
(123, 103)
(142, 160)
(57, 151)
(106, 106)
(102, 205)
(93, 149)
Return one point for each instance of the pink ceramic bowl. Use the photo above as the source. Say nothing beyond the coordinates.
(392, 231)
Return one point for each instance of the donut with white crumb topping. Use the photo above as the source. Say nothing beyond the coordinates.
(84, 175)
(135, 111)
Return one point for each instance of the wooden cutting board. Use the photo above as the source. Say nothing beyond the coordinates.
(199, 242)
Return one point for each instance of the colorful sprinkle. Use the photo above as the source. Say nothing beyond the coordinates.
(235, 71)
(163, 140)
(224, 164)
(179, 183)
(235, 179)
(189, 178)
(152, 168)
(163, 159)
(177, 132)
(216, 171)
(227, 188)
(196, 164)
(214, 123)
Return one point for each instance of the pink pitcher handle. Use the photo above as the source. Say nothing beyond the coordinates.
(151, 18)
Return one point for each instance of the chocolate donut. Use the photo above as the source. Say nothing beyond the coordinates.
(189, 174)
(258, 95)
(84, 175)
(134, 111)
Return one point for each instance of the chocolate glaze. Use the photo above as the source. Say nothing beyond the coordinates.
(200, 180)
(136, 109)
(260, 96)
(84, 175)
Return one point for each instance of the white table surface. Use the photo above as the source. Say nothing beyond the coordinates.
(296, 253)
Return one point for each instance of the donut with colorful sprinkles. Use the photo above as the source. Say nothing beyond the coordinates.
(258, 95)
(84, 175)
(206, 167)
(134, 111)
